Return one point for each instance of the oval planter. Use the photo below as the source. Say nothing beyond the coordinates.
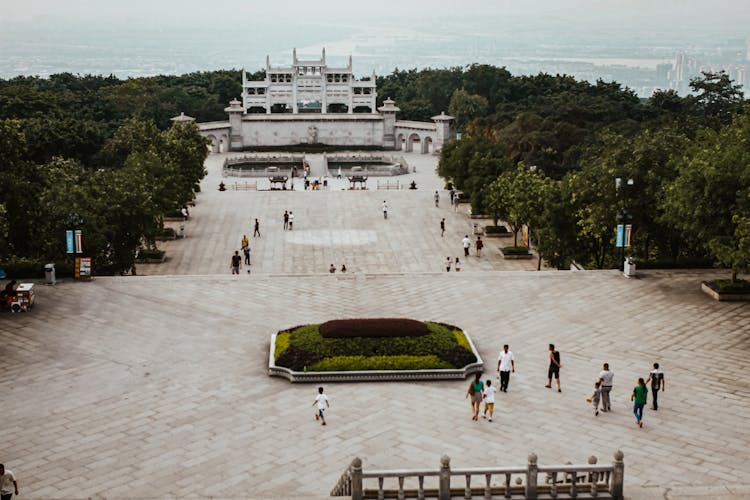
(374, 375)
(725, 296)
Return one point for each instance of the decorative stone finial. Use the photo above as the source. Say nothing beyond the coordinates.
(532, 458)
(619, 455)
(445, 462)
(357, 463)
(592, 459)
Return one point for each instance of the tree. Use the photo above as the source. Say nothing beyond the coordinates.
(709, 201)
(517, 196)
(465, 107)
(717, 99)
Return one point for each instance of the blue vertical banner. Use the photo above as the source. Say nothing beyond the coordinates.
(79, 241)
(69, 243)
(623, 235)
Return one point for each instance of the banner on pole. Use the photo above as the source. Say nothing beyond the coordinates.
(623, 235)
(69, 243)
(79, 241)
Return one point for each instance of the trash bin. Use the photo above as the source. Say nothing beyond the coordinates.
(49, 274)
(182, 231)
(629, 267)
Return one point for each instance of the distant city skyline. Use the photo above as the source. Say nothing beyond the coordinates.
(643, 45)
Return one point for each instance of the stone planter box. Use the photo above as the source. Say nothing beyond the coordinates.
(725, 296)
(374, 375)
(516, 256)
(152, 260)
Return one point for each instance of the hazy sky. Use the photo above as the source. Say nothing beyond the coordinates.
(684, 14)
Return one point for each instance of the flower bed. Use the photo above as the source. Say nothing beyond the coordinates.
(150, 256)
(510, 253)
(372, 349)
(497, 232)
(726, 290)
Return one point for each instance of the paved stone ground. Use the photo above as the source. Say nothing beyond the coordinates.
(157, 387)
(330, 227)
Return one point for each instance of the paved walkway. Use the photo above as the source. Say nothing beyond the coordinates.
(156, 386)
(330, 227)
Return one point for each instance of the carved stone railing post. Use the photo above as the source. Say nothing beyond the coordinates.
(444, 487)
(618, 476)
(356, 479)
(531, 476)
(593, 477)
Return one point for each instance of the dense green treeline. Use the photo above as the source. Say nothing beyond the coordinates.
(101, 155)
(550, 160)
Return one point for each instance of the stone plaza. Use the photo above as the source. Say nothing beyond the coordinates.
(156, 385)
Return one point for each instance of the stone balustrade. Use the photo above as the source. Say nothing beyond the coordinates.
(584, 481)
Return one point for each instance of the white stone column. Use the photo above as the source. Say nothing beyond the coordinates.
(294, 90)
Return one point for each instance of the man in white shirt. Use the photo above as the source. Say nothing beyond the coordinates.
(8, 484)
(467, 244)
(385, 210)
(505, 364)
(656, 377)
(321, 401)
(605, 379)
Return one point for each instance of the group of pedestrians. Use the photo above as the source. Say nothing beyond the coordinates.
(288, 220)
(600, 399)
(456, 265)
(466, 242)
(485, 392)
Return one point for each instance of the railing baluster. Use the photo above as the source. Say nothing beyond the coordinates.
(574, 484)
(420, 492)
(401, 488)
(381, 492)
(507, 485)
(467, 489)
(553, 489)
(488, 486)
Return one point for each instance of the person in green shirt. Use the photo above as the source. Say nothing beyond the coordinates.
(639, 396)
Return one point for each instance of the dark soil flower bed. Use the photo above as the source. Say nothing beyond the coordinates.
(376, 327)
(373, 344)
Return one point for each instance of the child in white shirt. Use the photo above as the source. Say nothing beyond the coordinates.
(322, 402)
(489, 399)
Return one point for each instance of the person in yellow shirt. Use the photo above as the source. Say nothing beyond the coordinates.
(245, 241)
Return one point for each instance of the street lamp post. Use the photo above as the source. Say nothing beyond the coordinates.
(623, 216)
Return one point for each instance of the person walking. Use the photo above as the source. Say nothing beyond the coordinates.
(479, 246)
(8, 483)
(457, 265)
(489, 399)
(475, 390)
(639, 398)
(322, 402)
(506, 363)
(332, 269)
(385, 210)
(442, 228)
(595, 397)
(605, 379)
(286, 220)
(467, 244)
(447, 264)
(656, 377)
(437, 199)
(236, 262)
(256, 232)
(291, 220)
(246, 251)
(245, 241)
(554, 368)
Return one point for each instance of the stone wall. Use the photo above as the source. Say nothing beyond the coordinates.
(336, 130)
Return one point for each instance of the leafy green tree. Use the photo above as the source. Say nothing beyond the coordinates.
(709, 201)
(717, 99)
(465, 107)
